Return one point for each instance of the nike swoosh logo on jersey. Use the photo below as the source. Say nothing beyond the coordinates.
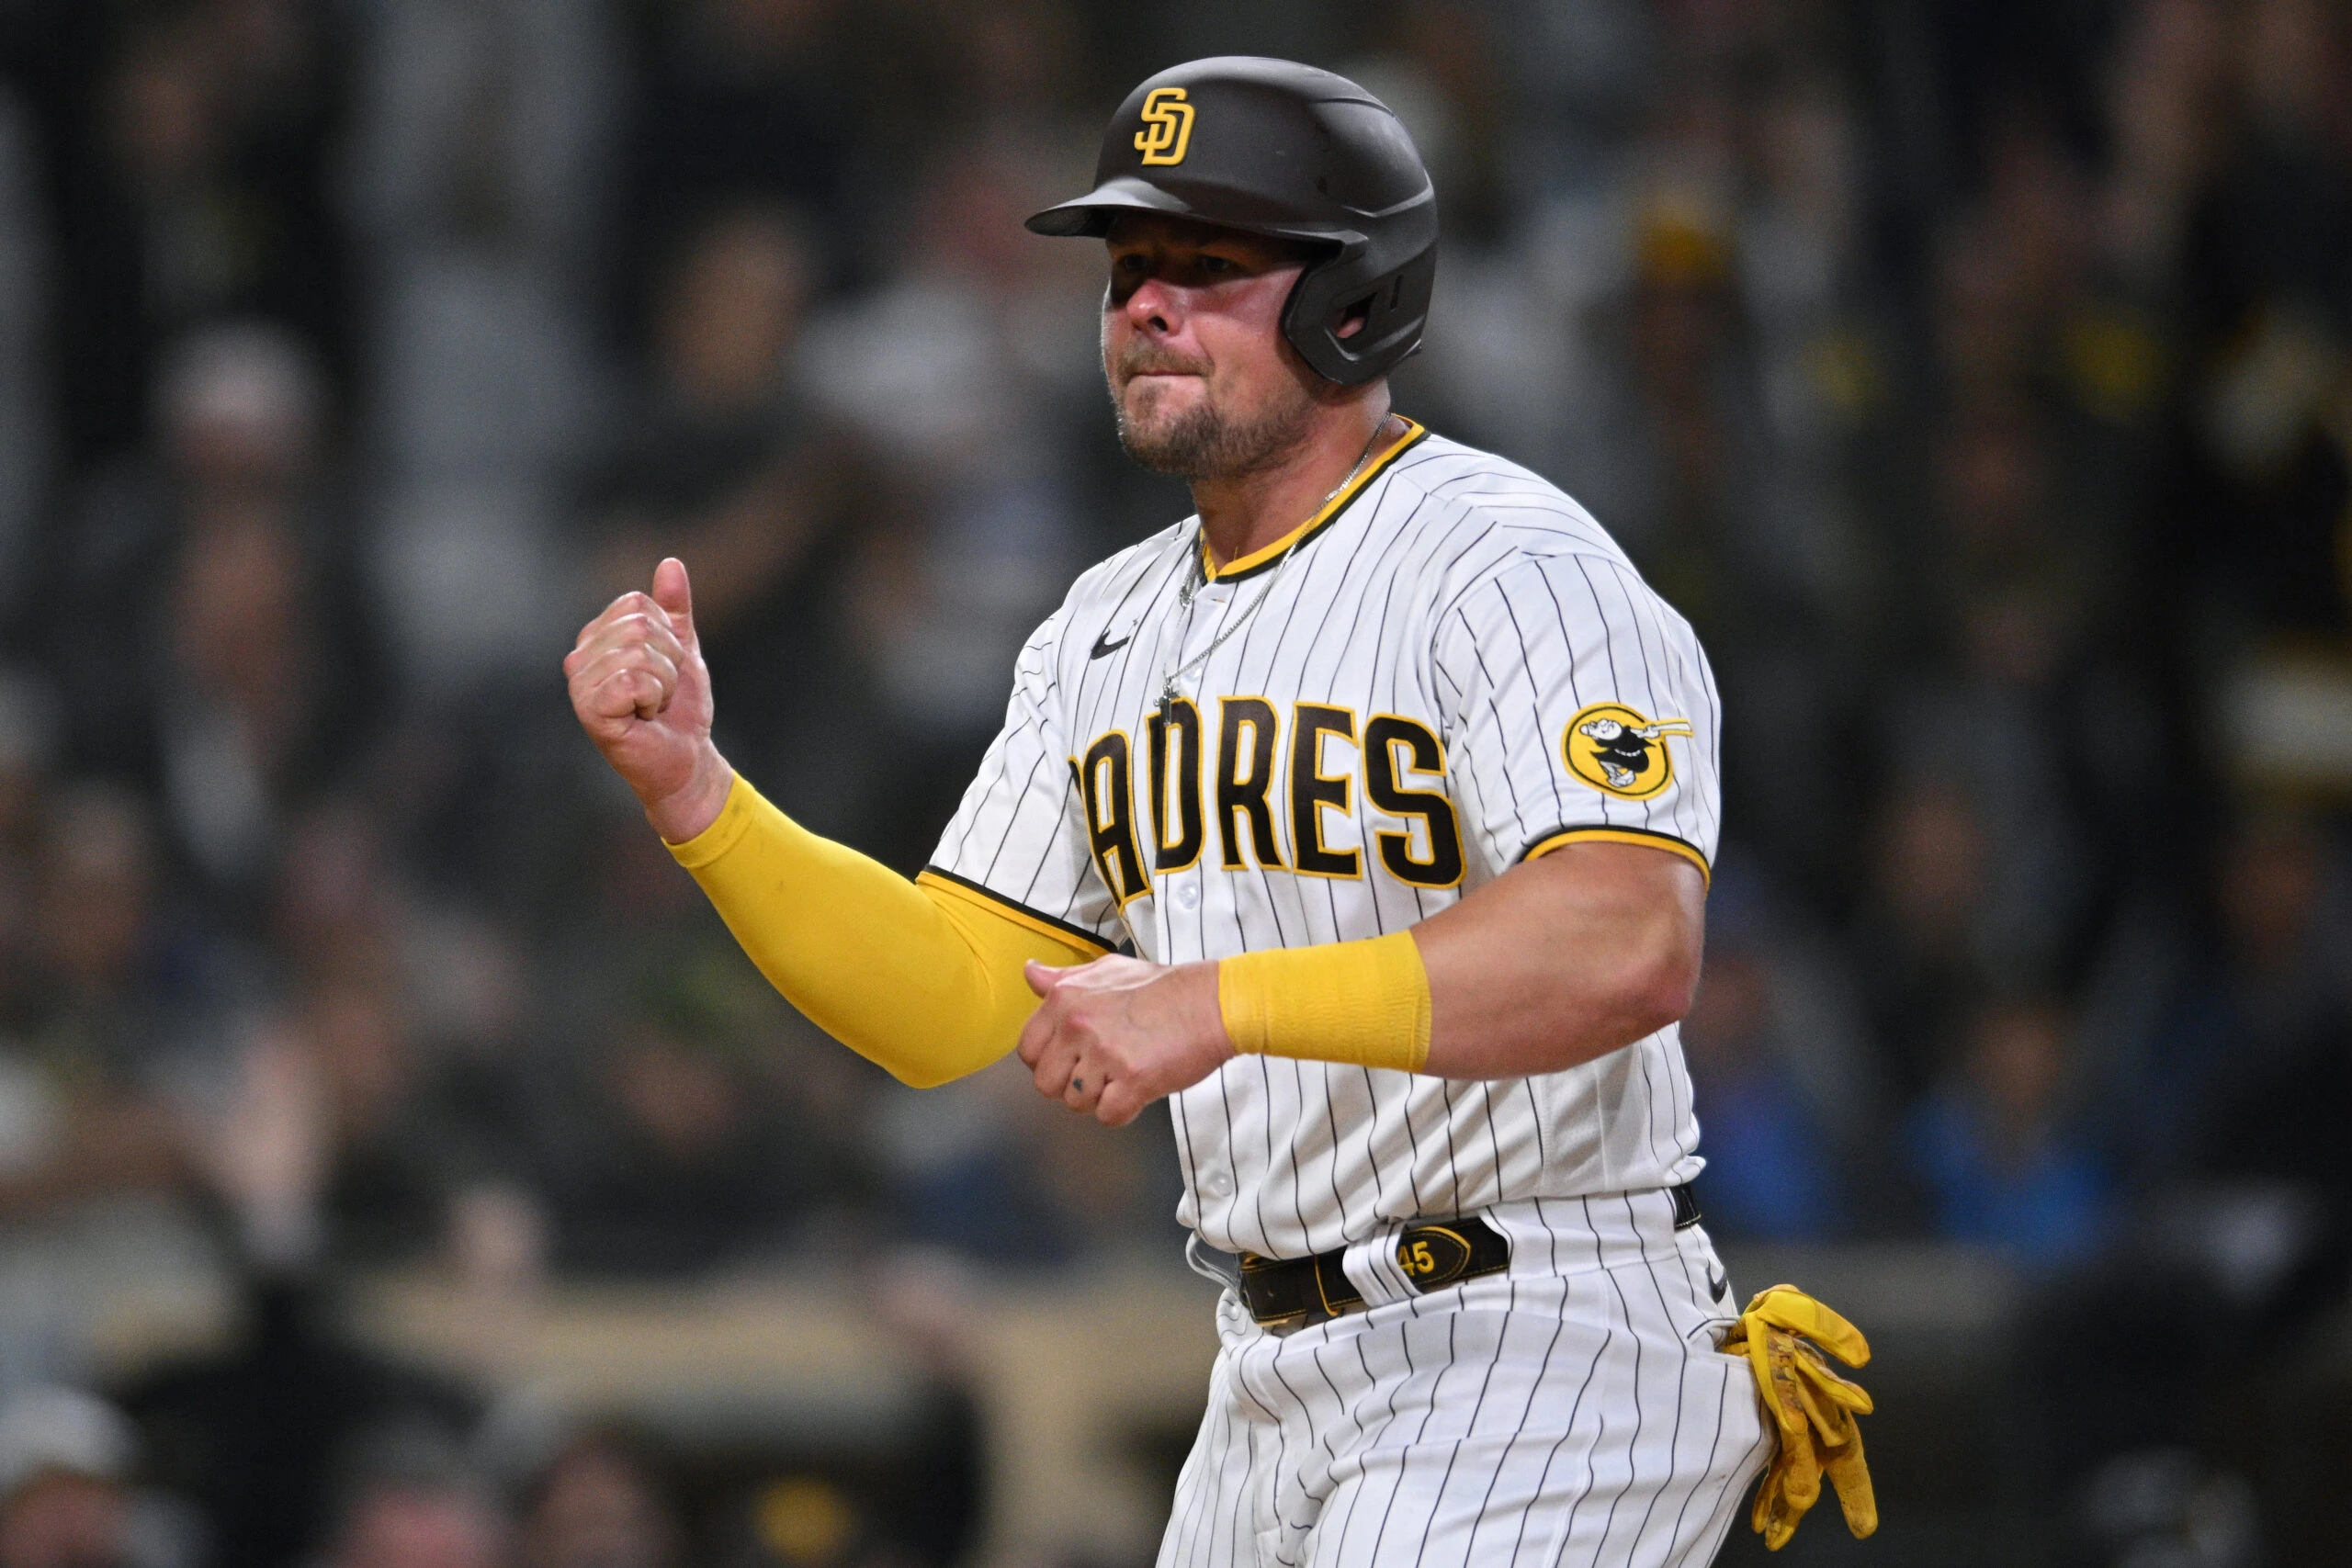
(1717, 1283)
(1102, 648)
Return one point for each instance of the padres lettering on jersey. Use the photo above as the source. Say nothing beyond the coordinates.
(1457, 669)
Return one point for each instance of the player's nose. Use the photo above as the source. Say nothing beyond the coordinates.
(1155, 306)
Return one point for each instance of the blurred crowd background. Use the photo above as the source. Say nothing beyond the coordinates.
(1976, 374)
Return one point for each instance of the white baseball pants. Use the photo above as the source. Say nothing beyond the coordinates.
(1572, 1411)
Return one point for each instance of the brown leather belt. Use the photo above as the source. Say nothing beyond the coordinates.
(1296, 1292)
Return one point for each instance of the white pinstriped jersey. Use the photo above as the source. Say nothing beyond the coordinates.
(1455, 669)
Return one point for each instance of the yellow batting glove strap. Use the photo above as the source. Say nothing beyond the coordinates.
(1788, 1338)
(1364, 1003)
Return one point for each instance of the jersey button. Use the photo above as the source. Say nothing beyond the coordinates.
(1188, 896)
(1217, 1184)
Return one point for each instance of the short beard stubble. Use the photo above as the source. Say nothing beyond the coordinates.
(1204, 443)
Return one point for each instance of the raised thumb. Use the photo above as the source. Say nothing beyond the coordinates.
(675, 594)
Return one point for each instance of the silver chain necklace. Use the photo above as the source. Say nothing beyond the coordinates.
(1197, 579)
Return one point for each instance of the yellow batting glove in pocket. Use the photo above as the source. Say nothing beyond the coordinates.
(1784, 1334)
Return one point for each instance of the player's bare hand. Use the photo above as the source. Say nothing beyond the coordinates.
(1113, 1035)
(641, 692)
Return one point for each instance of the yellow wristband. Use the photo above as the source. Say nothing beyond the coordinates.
(1366, 1003)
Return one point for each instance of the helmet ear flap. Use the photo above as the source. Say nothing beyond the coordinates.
(1393, 307)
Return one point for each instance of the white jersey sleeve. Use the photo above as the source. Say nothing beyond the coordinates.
(1582, 708)
(1020, 838)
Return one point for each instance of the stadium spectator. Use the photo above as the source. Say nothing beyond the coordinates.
(1920, 938)
(197, 189)
(2259, 1045)
(598, 1505)
(690, 1145)
(956, 372)
(476, 175)
(2003, 1164)
(126, 995)
(729, 462)
(735, 102)
(1771, 1164)
(209, 632)
(287, 1438)
(2262, 989)
(410, 1504)
(975, 1169)
(66, 1460)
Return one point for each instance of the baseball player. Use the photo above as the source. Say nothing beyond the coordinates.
(1366, 817)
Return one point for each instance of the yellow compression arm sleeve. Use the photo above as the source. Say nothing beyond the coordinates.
(1362, 1002)
(922, 977)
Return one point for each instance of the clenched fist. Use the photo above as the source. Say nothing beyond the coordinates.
(643, 695)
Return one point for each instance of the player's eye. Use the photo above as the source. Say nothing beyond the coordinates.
(1218, 266)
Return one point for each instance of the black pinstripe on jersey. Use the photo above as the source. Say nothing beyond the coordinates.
(1451, 593)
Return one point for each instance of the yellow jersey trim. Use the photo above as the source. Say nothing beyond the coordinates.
(1234, 571)
(1641, 836)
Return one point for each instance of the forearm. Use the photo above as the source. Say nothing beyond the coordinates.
(923, 979)
(1563, 960)
(1566, 959)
